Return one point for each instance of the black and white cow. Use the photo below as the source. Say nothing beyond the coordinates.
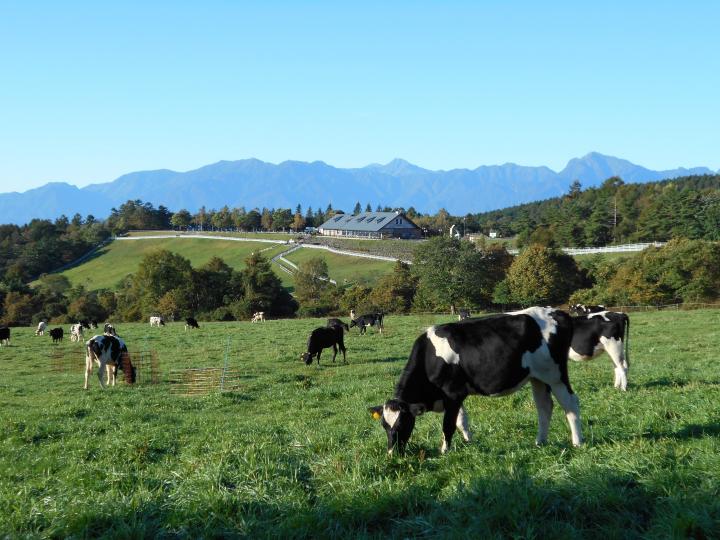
(191, 323)
(583, 309)
(57, 334)
(323, 338)
(371, 319)
(464, 314)
(109, 330)
(338, 322)
(42, 325)
(76, 332)
(157, 321)
(606, 331)
(489, 356)
(110, 354)
(4, 336)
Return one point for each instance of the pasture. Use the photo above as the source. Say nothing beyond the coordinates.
(295, 454)
(343, 268)
(120, 258)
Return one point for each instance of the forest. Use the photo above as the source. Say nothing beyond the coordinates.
(613, 213)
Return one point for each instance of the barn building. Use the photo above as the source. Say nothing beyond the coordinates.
(371, 225)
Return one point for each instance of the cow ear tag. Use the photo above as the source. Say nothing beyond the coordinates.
(376, 415)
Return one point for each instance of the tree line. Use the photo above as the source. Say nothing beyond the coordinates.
(613, 213)
(446, 273)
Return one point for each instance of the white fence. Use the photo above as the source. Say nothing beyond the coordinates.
(207, 236)
(624, 248)
(354, 253)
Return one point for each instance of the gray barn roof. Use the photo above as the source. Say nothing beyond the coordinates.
(367, 221)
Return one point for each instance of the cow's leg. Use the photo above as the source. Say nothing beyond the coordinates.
(462, 424)
(101, 373)
(571, 405)
(334, 352)
(88, 369)
(342, 348)
(544, 406)
(449, 422)
(614, 348)
(318, 356)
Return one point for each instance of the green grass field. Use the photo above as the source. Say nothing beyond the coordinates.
(345, 269)
(295, 454)
(122, 257)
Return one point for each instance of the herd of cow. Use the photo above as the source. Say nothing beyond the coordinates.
(492, 356)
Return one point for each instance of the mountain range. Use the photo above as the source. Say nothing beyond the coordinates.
(253, 183)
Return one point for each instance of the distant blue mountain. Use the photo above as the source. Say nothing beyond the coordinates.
(254, 183)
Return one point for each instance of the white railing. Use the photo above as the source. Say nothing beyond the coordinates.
(624, 248)
(207, 236)
(354, 253)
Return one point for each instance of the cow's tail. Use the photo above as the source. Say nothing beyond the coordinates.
(627, 340)
(93, 351)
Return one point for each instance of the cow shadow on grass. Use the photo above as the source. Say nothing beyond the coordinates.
(689, 431)
(592, 503)
(666, 382)
(384, 360)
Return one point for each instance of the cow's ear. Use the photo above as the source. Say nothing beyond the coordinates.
(416, 409)
(376, 412)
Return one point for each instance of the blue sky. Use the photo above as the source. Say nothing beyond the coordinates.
(89, 91)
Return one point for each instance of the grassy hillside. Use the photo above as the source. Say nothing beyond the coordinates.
(295, 454)
(345, 269)
(122, 257)
(110, 264)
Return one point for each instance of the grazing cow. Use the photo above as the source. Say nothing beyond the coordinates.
(371, 319)
(603, 331)
(57, 334)
(76, 332)
(258, 316)
(582, 309)
(93, 324)
(5, 336)
(322, 338)
(42, 325)
(464, 314)
(191, 323)
(489, 356)
(109, 330)
(337, 322)
(157, 321)
(110, 354)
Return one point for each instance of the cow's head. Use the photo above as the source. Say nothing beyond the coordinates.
(398, 419)
(307, 358)
(352, 323)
